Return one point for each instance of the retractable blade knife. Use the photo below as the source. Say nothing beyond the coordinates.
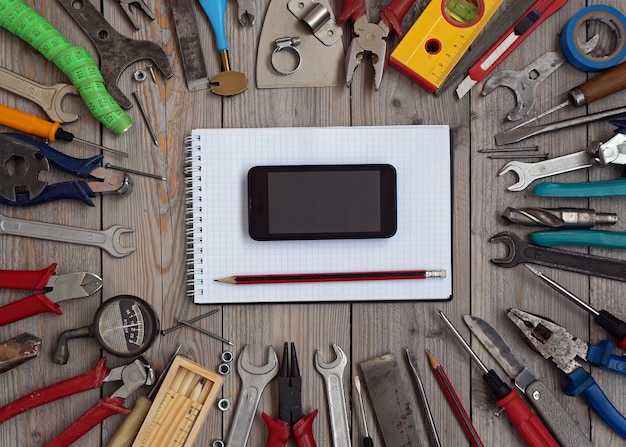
(567, 432)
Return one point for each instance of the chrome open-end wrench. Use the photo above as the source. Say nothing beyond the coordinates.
(108, 239)
(521, 252)
(333, 375)
(254, 379)
(49, 98)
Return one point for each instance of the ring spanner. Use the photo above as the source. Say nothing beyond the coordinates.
(108, 239)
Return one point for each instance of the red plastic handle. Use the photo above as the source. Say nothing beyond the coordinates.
(103, 409)
(27, 307)
(83, 382)
(491, 59)
(303, 431)
(394, 13)
(26, 279)
(278, 431)
(526, 422)
(352, 9)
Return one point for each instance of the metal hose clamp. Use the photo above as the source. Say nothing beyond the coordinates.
(287, 44)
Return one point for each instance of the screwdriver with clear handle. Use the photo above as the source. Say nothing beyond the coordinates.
(30, 124)
(606, 320)
(527, 423)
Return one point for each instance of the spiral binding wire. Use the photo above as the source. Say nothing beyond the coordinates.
(193, 217)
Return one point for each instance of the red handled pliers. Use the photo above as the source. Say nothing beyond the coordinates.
(133, 376)
(290, 418)
(369, 38)
(54, 288)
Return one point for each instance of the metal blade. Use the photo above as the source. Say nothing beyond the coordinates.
(73, 285)
(498, 348)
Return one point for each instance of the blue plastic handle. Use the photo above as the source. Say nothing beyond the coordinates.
(580, 381)
(76, 190)
(216, 10)
(78, 166)
(600, 355)
(606, 188)
(587, 238)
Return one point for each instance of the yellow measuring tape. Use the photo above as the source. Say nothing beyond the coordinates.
(439, 38)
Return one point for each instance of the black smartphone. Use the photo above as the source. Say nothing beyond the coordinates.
(322, 202)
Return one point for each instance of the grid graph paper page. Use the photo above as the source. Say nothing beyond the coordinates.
(218, 164)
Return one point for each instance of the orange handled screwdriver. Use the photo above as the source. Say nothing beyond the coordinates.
(30, 124)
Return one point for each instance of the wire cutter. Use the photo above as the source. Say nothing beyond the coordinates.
(290, 417)
(369, 38)
(21, 185)
(555, 343)
(133, 376)
(53, 289)
(128, 6)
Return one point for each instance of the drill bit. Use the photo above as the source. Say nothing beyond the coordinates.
(558, 217)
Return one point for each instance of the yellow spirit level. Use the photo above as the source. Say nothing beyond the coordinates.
(439, 38)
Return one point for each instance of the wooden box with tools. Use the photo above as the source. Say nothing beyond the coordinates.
(181, 405)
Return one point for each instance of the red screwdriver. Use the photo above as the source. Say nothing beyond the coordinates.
(30, 124)
(525, 421)
(606, 320)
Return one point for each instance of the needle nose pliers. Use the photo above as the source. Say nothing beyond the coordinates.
(53, 288)
(555, 343)
(290, 417)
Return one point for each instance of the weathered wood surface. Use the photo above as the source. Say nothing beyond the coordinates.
(156, 271)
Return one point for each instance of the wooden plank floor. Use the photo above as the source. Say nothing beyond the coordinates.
(156, 271)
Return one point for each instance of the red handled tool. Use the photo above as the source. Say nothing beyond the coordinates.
(54, 289)
(528, 425)
(133, 376)
(290, 418)
(369, 38)
(532, 18)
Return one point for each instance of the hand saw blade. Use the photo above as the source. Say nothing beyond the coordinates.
(190, 46)
(389, 393)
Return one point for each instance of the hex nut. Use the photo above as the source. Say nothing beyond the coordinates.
(224, 369)
(227, 356)
(140, 75)
(218, 443)
(223, 404)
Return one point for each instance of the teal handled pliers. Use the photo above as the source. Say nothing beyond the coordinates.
(585, 238)
(554, 343)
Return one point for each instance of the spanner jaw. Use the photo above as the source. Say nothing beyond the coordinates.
(516, 167)
(509, 239)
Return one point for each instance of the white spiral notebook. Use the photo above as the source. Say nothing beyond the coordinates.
(219, 245)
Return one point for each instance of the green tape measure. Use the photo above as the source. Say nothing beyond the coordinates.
(82, 70)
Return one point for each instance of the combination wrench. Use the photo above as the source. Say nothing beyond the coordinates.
(108, 239)
(254, 379)
(49, 98)
(520, 252)
(333, 376)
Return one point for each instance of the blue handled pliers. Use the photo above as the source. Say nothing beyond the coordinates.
(555, 343)
(24, 160)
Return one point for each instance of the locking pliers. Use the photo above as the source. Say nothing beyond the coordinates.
(23, 186)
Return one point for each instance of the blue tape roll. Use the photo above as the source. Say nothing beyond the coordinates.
(613, 18)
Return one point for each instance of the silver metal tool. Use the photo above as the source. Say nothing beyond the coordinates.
(49, 98)
(558, 217)
(146, 119)
(131, 5)
(254, 379)
(108, 240)
(117, 50)
(246, 11)
(18, 350)
(333, 376)
(521, 252)
(525, 81)
(560, 423)
(422, 393)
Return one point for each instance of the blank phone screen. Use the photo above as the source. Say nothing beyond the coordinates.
(324, 202)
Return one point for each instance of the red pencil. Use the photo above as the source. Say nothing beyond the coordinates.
(332, 277)
(454, 400)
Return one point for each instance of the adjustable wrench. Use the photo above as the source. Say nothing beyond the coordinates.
(254, 379)
(49, 98)
(333, 375)
(522, 252)
(108, 239)
(116, 51)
